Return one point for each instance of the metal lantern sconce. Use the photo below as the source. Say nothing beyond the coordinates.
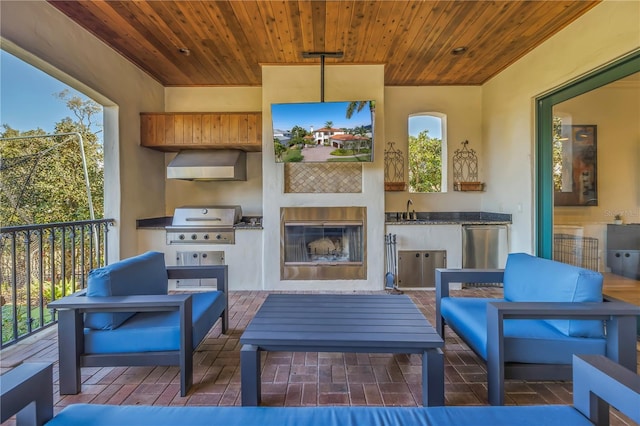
(465, 169)
(393, 169)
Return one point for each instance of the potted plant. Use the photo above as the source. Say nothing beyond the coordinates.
(617, 219)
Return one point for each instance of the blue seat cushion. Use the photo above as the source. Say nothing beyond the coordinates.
(97, 415)
(526, 341)
(157, 331)
(138, 275)
(533, 279)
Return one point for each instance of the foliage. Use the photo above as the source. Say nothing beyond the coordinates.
(21, 320)
(344, 152)
(59, 290)
(425, 163)
(358, 106)
(279, 149)
(42, 179)
(557, 154)
(328, 124)
(293, 155)
(297, 136)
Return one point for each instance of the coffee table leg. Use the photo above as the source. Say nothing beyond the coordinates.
(250, 375)
(433, 378)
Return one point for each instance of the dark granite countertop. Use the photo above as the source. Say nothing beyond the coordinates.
(154, 222)
(448, 218)
(247, 222)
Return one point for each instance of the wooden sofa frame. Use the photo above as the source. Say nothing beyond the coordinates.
(71, 328)
(619, 317)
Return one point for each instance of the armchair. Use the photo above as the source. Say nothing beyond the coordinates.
(549, 312)
(126, 318)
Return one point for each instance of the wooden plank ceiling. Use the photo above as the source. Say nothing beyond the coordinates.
(228, 41)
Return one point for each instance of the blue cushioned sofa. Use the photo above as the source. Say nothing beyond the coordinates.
(549, 311)
(598, 382)
(125, 317)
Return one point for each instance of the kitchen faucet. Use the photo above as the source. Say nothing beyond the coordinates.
(409, 203)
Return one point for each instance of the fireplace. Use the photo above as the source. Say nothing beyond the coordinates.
(323, 243)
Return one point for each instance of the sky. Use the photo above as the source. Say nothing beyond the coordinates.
(418, 123)
(306, 115)
(27, 96)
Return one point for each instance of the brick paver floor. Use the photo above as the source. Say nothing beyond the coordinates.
(292, 379)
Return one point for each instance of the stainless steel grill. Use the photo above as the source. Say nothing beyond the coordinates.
(203, 225)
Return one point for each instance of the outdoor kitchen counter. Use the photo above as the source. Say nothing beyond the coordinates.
(162, 222)
(448, 218)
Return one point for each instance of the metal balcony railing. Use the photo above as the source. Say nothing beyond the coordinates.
(41, 263)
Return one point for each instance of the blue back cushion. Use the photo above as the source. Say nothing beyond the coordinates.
(533, 279)
(138, 275)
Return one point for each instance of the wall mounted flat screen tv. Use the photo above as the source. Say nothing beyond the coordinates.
(317, 132)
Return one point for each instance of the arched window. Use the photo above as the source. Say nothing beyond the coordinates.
(427, 149)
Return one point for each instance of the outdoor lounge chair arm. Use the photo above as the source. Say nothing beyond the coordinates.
(143, 303)
(562, 310)
(599, 382)
(620, 320)
(444, 278)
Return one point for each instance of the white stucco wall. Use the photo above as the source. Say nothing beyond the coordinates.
(608, 31)
(35, 31)
(302, 84)
(247, 194)
(462, 107)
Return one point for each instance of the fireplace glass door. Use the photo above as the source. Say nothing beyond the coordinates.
(313, 243)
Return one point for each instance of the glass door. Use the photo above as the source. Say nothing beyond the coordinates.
(588, 162)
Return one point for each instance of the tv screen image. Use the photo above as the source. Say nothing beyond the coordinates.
(317, 132)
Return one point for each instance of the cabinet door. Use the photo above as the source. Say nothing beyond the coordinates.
(631, 264)
(624, 262)
(431, 260)
(210, 258)
(187, 258)
(152, 131)
(211, 130)
(417, 269)
(409, 268)
(614, 261)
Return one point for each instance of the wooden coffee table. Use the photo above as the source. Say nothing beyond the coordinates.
(341, 323)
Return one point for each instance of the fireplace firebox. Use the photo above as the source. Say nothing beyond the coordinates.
(323, 243)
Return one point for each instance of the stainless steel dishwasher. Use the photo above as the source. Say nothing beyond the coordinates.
(485, 246)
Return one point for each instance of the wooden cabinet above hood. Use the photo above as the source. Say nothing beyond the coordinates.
(201, 130)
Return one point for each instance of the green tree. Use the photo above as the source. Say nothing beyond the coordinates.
(297, 136)
(557, 153)
(42, 179)
(328, 124)
(357, 106)
(425, 163)
(279, 149)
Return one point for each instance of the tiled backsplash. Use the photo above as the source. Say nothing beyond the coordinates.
(322, 178)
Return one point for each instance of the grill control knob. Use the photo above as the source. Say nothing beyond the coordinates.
(206, 236)
(181, 236)
(218, 237)
(194, 237)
